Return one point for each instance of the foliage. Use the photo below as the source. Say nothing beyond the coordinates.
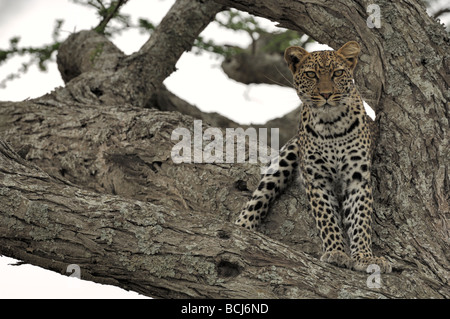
(237, 21)
(107, 12)
(40, 56)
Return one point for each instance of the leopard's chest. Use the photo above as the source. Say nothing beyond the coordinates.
(330, 149)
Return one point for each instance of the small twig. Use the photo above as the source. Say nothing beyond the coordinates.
(18, 263)
(112, 12)
(441, 12)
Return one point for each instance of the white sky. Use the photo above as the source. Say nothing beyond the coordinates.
(199, 80)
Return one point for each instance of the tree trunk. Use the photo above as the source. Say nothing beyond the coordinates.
(92, 181)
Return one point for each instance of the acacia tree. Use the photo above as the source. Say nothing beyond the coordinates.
(86, 175)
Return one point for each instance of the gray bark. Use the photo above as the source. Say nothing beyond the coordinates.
(87, 179)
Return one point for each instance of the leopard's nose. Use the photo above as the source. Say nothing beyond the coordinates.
(326, 95)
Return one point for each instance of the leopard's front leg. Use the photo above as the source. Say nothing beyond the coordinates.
(324, 206)
(357, 207)
(272, 183)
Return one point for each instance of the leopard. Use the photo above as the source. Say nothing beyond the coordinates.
(331, 153)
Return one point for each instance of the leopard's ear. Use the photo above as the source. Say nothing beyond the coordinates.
(350, 52)
(293, 56)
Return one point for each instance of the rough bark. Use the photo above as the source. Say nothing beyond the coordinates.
(108, 197)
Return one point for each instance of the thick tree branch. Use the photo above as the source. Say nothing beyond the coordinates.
(87, 51)
(258, 68)
(125, 152)
(262, 62)
(166, 250)
(174, 35)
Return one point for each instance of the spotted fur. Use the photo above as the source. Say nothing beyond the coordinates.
(332, 151)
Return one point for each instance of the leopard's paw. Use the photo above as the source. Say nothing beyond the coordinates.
(361, 263)
(337, 258)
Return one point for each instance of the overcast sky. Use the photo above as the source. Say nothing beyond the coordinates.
(199, 80)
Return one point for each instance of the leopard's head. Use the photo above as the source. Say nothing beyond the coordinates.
(323, 78)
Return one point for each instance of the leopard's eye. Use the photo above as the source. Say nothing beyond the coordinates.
(310, 74)
(338, 73)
